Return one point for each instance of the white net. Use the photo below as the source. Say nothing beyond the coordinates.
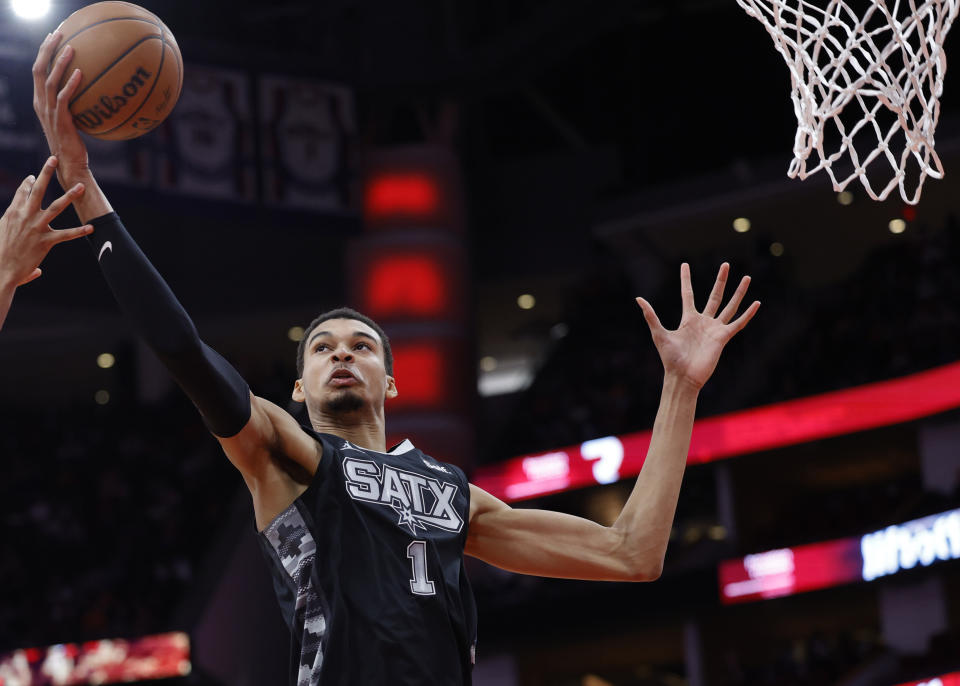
(867, 78)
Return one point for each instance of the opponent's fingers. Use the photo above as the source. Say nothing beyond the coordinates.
(40, 187)
(744, 319)
(686, 289)
(35, 274)
(731, 309)
(653, 321)
(62, 203)
(716, 295)
(40, 69)
(22, 196)
(64, 235)
(56, 73)
(26, 185)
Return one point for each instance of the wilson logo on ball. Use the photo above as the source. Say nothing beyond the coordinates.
(111, 105)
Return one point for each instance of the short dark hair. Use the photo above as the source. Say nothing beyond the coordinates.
(345, 313)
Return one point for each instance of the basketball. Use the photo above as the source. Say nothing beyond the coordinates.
(131, 68)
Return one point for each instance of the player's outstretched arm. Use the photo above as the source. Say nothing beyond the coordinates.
(26, 235)
(632, 549)
(250, 429)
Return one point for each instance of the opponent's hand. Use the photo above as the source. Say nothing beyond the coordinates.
(25, 233)
(692, 351)
(52, 109)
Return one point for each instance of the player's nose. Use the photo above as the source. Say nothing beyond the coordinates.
(343, 353)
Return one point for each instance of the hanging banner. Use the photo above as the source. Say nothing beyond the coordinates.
(305, 128)
(205, 148)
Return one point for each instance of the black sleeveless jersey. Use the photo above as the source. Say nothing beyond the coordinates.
(368, 568)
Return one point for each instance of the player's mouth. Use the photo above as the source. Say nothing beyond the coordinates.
(343, 377)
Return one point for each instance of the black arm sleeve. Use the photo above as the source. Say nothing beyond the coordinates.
(215, 387)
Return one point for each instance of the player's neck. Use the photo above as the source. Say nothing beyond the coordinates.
(366, 433)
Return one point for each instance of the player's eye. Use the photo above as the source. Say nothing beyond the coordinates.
(321, 346)
(361, 345)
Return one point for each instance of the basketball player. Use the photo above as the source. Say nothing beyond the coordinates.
(26, 236)
(366, 544)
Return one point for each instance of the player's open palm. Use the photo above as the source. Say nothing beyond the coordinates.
(692, 351)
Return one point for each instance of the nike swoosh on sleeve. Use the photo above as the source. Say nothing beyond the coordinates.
(106, 246)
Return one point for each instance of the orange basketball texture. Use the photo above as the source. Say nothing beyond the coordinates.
(132, 71)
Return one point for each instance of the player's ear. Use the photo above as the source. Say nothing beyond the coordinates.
(391, 387)
(298, 393)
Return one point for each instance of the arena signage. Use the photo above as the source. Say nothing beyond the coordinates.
(951, 679)
(607, 459)
(904, 546)
(786, 571)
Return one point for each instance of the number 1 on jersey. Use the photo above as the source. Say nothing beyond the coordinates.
(420, 584)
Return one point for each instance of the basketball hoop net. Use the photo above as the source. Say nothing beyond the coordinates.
(869, 80)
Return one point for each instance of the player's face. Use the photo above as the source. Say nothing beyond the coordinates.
(343, 369)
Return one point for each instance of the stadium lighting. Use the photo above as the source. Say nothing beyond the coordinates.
(295, 333)
(741, 224)
(30, 9)
(526, 302)
(488, 363)
(105, 360)
(845, 198)
(776, 249)
(102, 397)
(897, 226)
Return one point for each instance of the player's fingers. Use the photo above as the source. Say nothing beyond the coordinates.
(40, 187)
(40, 66)
(64, 235)
(731, 309)
(35, 274)
(716, 295)
(744, 318)
(686, 289)
(63, 97)
(56, 74)
(653, 321)
(62, 203)
(22, 195)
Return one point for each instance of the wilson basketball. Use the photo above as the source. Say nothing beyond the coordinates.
(131, 69)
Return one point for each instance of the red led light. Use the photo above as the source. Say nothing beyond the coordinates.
(951, 679)
(787, 571)
(419, 370)
(762, 428)
(909, 213)
(402, 193)
(405, 285)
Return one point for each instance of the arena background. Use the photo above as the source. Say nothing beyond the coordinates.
(572, 151)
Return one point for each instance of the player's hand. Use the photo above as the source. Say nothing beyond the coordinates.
(25, 233)
(52, 108)
(692, 351)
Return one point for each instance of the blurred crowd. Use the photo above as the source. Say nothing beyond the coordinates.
(895, 314)
(823, 657)
(106, 515)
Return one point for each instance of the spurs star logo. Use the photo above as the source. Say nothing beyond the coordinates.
(419, 501)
